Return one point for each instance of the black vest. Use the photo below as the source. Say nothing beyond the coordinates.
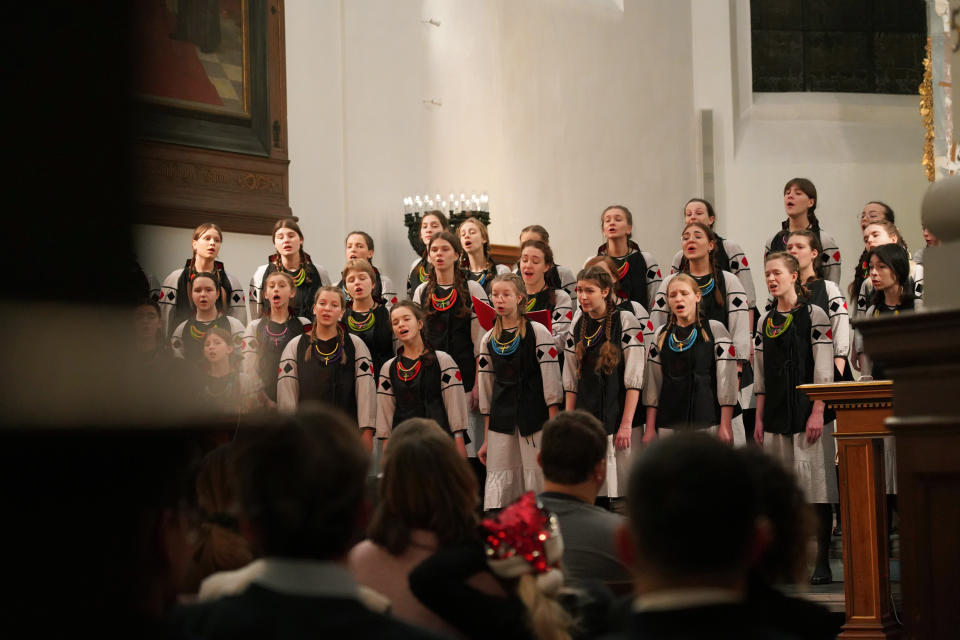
(451, 333)
(182, 309)
(709, 307)
(270, 348)
(787, 362)
(333, 383)
(779, 241)
(599, 394)
(420, 397)
(688, 396)
(378, 338)
(193, 340)
(417, 277)
(517, 401)
(483, 278)
(633, 283)
(302, 303)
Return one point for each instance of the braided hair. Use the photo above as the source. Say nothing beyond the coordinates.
(464, 303)
(277, 261)
(521, 291)
(715, 266)
(609, 357)
(687, 279)
(315, 329)
(814, 241)
(491, 265)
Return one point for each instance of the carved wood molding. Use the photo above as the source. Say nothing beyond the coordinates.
(505, 254)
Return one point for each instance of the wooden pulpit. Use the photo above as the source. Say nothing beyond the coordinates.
(862, 408)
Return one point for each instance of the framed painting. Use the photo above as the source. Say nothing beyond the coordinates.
(210, 89)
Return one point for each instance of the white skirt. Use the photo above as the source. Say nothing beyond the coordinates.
(736, 425)
(812, 464)
(512, 468)
(618, 470)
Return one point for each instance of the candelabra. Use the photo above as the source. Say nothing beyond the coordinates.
(457, 209)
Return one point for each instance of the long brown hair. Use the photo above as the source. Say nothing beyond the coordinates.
(199, 231)
(547, 252)
(630, 243)
(276, 260)
(464, 258)
(220, 547)
(428, 355)
(315, 329)
(793, 267)
(464, 302)
(687, 279)
(443, 501)
(715, 266)
(810, 190)
(609, 357)
(221, 291)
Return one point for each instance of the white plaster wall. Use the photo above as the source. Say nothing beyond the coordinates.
(855, 148)
(556, 107)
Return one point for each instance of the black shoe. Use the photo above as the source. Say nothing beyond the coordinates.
(821, 575)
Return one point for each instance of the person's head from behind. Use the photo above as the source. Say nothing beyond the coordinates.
(875, 211)
(301, 485)
(791, 521)
(219, 545)
(426, 485)
(573, 451)
(693, 516)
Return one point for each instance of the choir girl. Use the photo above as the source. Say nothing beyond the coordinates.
(476, 262)
(450, 322)
(220, 387)
(800, 203)
(805, 247)
(729, 255)
(293, 260)
(359, 245)
(638, 272)
(722, 296)
(880, 233)
(691, 375)
(891, 291)
(267, 337)
(536, 259)
(793, 347)
(206, 296)
(432, 223)
(607, 264)
(558, 276)
(331, 366)
(174, 297)
(420, 382)
(929, 240)
(603, 370)
(520, 388)
(874, 211)
(889, 270)
(366, 316)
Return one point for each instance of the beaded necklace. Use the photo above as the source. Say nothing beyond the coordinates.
(596, 337)
(276, 336)
(299, 277)
(422, 273)
(507, 348)
(531, 304)
(772, 330)
(623, 269)
(480, 277)
(333, 356)
(444, 303)
(707, 287)
(365, 324)
(408, 373)
(196, 334)
(679, 346)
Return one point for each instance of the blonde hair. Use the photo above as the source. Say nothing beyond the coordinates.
(521, 290)
(547, 618)
(220, 547)
(609, 357)
(687, 279)
(359, 264)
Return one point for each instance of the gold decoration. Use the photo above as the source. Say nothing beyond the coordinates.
(926, 114)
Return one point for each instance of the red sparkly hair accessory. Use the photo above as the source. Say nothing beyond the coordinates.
(523, 538)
